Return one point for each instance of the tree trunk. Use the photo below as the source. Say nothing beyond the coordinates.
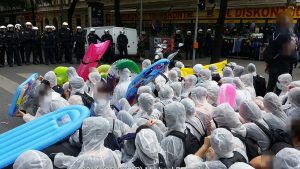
(71, 12)
(118, 20)
(33, 17)
(217, 51)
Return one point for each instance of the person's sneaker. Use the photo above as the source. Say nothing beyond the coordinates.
(11, 65)
(27, 63)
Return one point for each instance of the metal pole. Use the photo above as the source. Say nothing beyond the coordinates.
(195, 35)
(141, 17)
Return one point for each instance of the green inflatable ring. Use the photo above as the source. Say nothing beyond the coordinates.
(61, 75)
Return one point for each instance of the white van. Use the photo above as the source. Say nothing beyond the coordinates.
(115, 31)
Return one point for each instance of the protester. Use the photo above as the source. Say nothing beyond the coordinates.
(33, 159)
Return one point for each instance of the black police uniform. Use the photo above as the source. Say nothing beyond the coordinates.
(12, 43)
(177, 39)
(2, 48)
(37, 50)
(79, 40)
(188, 45)
(28, 36)
(122, 42)
(48, 43)
(93, 38)
(108, 56)
(65, 42)
(21, 46)
(56, 46)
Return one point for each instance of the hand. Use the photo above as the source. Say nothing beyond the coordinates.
(207, 142)
(40, 78)
(151, 122)
(19, 113)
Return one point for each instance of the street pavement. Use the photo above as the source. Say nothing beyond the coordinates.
(11, 77)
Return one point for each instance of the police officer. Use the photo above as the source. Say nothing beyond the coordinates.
(12, 42)
(2, 45)
(56, 46)
(93, 37)
(122, 42)
(37, 50)
(109, 52)
(18, 29)
(79, 41)
(48, 45)
(65, 42)
(188, 44)
(208, 43)
(28, 42)
(200, 40)
(177, 39)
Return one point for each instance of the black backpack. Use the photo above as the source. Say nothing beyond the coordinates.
(260, 85)
(162, 163)
(252, 148)
(201, 142)
(86, 99)
(237, 157)
(111, 141)
(191, 143)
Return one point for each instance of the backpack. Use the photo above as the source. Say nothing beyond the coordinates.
(191, 143)
(111, 141)
(237, 157)
(252, 148)
(260, 85)
(201, 142)
(279, 139)
(271, 51)
(139, 164)
(86, 99)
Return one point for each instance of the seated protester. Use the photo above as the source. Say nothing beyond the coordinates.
(251, 115)
(205, 78)
(93, 78)
(224, 155)
(172, 76)
(77, 86)
(227, 72)
(47, 102)
(212, 93)
(51, 78)
(247, 79)
(178, 73)
(75, 100)
(197, 68)
(283, 83)
(214, 73)
(125, 117)
(259, 82)
(192, 121)
(179, 65)
(93, 151)
(71, 72)
(121, 88)
(146, 63)
(287, 158)
(165, 95)
(189, 83)
(146, 102)
(148, 153)
(177, 88)
(242, 94)
(33, 159)
(203, 109)
(238, 71)
(174, 114)
(295, 133)
(272, 105)
(224, 116)
(294, 100)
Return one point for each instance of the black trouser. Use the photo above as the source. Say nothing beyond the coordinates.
(29, 48)
(108, 55)
(188, 53)
(13, 55)
(49, 55)
(21, 48)
(2, 56)
(40, 53)
(123, 51)
(199, 52)
(273, 78)
(56, 53)
(65, 49)
(79, 52)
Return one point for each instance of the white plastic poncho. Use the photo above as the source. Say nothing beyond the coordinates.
(287, 158)
(34, 160)
(294, 99)
(247, 79)
(121, 88)
(51, 78)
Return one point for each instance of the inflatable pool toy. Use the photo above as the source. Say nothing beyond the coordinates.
(103, 70)
(23, 95)
(61, 75)
(190, 71)
(227, 94)
(91, 58)
(145, 77)
(41, 132)
(112, 75)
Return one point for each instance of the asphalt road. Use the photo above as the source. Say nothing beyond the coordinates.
(11, 77)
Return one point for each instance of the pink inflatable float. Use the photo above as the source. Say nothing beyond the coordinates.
(227, 94)
(91, 58)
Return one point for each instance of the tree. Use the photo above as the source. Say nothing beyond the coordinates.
(71, 12)
(216, 55)
(118, 20)
(34, 6)
(12, 5)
